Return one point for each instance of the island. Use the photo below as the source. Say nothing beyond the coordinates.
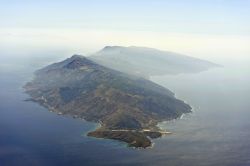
(127, 107)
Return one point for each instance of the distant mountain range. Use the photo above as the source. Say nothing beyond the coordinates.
(147, 62)
(127, 107)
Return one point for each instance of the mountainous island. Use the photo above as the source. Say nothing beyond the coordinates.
(127, 107)
(148, 62)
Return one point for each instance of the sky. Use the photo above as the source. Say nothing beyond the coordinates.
(201, 28)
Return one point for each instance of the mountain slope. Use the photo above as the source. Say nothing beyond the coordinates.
(124, 105)
(148, 61)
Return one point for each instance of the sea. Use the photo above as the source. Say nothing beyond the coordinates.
(216, 133)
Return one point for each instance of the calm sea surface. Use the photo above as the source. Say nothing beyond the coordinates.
(217, 133)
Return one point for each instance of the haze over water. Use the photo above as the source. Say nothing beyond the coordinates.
(216, 133)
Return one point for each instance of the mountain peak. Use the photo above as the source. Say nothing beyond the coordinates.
(76, 56)
(78, 61)
(109, 48)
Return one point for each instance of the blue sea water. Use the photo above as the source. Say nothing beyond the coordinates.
(216, 133)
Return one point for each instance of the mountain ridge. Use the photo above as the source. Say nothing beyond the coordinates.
(146, 62)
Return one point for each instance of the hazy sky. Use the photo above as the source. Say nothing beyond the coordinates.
(83, 26)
